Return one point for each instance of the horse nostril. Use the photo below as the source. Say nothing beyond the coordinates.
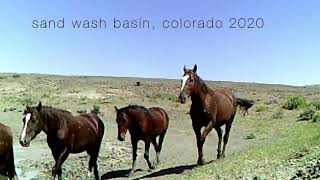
(23, 142)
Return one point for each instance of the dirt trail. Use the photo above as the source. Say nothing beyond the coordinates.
(179, 153)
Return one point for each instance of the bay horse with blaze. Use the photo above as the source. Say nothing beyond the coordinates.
(143, 124)
(209, 109)
(65, 134)
(7, 167)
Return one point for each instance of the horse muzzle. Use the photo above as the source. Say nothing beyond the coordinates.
(122, 137)
(24, 143)
(182, 98)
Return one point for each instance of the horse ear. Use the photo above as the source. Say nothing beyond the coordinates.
(195, 68)
(115, 107)
(27, 107)
(184, 68)
(39, 107)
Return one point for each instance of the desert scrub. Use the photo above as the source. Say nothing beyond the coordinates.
(83, 100)
(162, 96)
(316, 104)
(262, 109)
(307, 114)
(278, 114)
(294, 102)
(16, 76)
(96, 109)
(316, 117)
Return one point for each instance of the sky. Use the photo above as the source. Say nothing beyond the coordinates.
(285, 51)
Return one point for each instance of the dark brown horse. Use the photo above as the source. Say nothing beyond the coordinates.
(209, 109)
(7, 167)
(143, 124)
(65, 134)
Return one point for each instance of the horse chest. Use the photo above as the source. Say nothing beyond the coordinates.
(200, 116)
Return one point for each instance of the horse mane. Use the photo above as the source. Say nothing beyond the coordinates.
(134, 107)
(59, 115)
(202, 85)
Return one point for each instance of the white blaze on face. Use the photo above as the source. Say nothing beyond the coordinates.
(184, 81)
(24, 131)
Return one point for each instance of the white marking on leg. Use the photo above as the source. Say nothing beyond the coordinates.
(184, 80)
(24, 131)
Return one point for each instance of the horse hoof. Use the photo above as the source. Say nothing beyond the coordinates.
(200, 162)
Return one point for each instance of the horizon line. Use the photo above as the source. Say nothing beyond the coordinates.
(166, 78)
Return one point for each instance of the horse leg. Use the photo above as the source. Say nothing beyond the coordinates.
(146, 153)
(219, 132)
(159, 148)
(134, 143)
(207, 130)
(93, 161)
(55, 155)
(156, 148)
(197, 131)
(11, 167)
(225, 138)
(61, 158)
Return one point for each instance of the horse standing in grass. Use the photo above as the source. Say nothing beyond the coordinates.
(143, 124)
(7, 167)
(209, 109)
(65, 134)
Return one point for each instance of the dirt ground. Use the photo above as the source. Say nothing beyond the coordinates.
(179, 153)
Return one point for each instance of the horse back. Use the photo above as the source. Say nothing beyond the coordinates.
(226, 104)
(218, 105)
(6, 153)
(159, 118)
(82, 131)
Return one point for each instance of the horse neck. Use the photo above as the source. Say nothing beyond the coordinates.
(199, 94)
(133, 120)
(51, 122)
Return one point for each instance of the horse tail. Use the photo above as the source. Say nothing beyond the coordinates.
(11, 167)
(244, 104)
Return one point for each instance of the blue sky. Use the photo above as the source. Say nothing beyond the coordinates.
(285, 51)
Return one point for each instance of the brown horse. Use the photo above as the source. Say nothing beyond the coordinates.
(143, 124)
(65, 134)
(7, 167)
(209, 109)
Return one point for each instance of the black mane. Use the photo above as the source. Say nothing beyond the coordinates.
(134, 107)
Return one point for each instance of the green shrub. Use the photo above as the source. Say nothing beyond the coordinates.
(262, 109)
(316, 117)
(294, 102)
(307, 114)
(16, 76)
(251, 136)
(96, 109)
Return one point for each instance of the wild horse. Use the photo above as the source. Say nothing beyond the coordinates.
(65, 134)
(209, 109)
(143, 124)
(7, 167)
